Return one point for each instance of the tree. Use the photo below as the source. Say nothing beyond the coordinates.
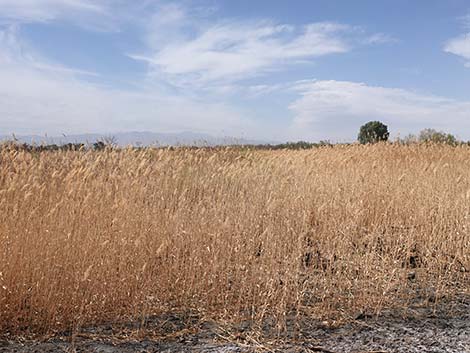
(431, 135)
(372, 132)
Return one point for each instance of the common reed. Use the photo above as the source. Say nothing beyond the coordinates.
(98, 236)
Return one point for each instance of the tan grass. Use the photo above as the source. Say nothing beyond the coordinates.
(87, 237)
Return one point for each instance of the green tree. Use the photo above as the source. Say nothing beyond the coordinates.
(372, 132)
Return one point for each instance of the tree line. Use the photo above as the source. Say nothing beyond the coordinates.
(369, 133)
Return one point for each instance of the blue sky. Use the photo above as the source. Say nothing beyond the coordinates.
(275, 70)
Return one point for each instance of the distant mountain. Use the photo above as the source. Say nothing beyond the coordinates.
(135, 138)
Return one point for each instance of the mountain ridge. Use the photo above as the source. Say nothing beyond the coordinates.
(137, 138)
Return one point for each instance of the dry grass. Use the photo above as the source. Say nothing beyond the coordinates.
(87, 237)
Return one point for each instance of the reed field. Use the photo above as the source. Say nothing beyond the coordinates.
(233, 234)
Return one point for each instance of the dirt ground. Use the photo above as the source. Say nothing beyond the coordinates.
(443, 327)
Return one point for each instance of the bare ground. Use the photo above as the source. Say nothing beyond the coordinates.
(439, 327)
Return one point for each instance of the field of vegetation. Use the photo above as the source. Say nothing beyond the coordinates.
(233, 234)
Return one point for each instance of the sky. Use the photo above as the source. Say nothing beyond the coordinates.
(267, 69)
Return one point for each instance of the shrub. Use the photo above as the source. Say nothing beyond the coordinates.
(431, 135)
(99, 146)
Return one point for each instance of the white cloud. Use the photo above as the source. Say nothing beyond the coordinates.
(13, 52)
(44, 10)
(103, 15)
(335, 109)
(459, 46)
(42, 104)
(41, 97)
(232, 51)
(165, 25)
(380, 38)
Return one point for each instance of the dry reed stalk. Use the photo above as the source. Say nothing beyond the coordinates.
(87, 237)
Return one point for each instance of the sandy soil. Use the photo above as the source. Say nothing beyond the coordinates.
(444, 327)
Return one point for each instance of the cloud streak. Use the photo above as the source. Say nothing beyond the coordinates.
(186, 51)
(460, 45)
(44, 10)
(102, 16)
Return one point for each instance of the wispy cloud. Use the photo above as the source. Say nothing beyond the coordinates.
(238, 51)
(380, 38)
(40, 97)
(332, 109)
(460, 45)
(90, 14)
(187, 51)
(16, 53)
(44, 10)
